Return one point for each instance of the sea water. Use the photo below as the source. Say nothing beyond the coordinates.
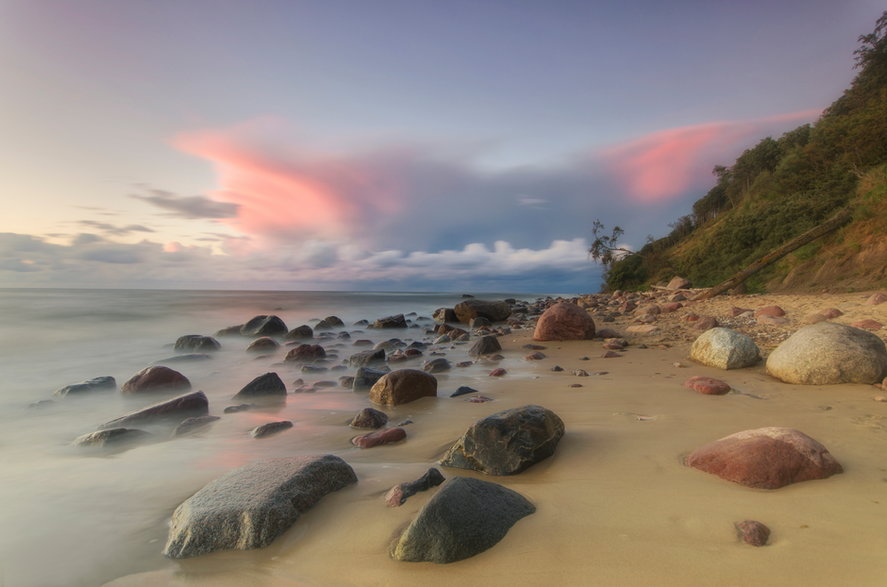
(75, 516)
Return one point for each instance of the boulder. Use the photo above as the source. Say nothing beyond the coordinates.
(564, 321)
(438, 365)
(765, 458)
(707, 385)
(270, 428)
(403, 386)
(263, 344)
(157, 378)
(725, 349)
(398, 494)
(305, 353)
(251, 506)
(104, 383)
(175, 409)
(379, 437)
(397, 321)
(494, 311)
(827, 353)
(466, 516)
(876, 298)
(366, 358)
(507, 442)
(112, 437)
(774, 311)
(369, 418)
(444, 315)
(366, 377)
(678, 282)
(189, 425)
(196, 342)
(264, 326)
(300, 332)
(329, 323)
(485, 345)
(267, 385)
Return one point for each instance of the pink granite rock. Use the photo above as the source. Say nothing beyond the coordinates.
(769, 311)
(564, 321)
(386, 436)
(157, 378)
(707, 385)
(868, 324)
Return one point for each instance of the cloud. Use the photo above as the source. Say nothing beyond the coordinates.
(191, 207)
(111, 229)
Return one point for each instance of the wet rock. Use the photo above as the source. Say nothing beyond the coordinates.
(438, 365)
(379, 437)
(263, 386)
(366, 358)
(498, 372)
(305, 353)
(494, 311)
(104, 383)
(197, 342)
(188, 358)
(264, 326)
(466, 516)
(397, 321)
(507, 442)
(485, 345)
(237, 408)
(534, 347)
(725, 349)
(829, 353)
(303, 332)
(369, 418)
(366, 377)
(112, 437)
(270, 428)
(479, 322)
(189, 425)
(463, 390)
(251, 506)
(564, 321)
(262, 345)
(230, 330)
(707, 385)
(398, 494)
(175, 409)
(752, 532)
(765, 458)
(557, 368)
(156, 379)
(444, 315)
(478, 399)
(610, 355)
(329, 323)
(403, 386)
(534, 356)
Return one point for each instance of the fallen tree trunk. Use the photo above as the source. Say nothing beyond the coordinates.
(833, 223)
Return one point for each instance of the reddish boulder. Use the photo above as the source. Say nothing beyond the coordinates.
(305, 353)
(564, 321)
(403, 386)
(868, 324)
(157, 378)
(765, 458)
(707, 385)
(769, 311)
(378, 437)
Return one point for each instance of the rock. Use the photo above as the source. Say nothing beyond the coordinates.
(369, 418)
(736, 311)
(773, 320)
(386, 436)
(329, 323)
(251, 506)
(190, 357)
(765, 458)
(830, 313)
(485, 345)
(813, 318)
(478, 399)
(270, 428)
(479, 322)
(507, 442)
(463, 390)
(175, 409)
(305, 353)
(494, 311)
(707, 385)
(112, 437)
(752, 532)
(397, 321)
(197, 342)
(466, 516)
(876, 298)
(398, 494)
(302, 332)
(564, 321)
(438, 365)
(498, 372)
(264, 326)
(262, 345)
(642, 328)
(230, 330)
(157, 378)
(104, 383)
(189, 425)
(366, 377)
(534, 356)
(769, 311)
(366, 358)
(678, 283)
(263, 386)
(705, 323)
(671, 307)
(444, 315)
(725, 349)
(403, 386)
(868, 324)
(237, 408)
(828, 353)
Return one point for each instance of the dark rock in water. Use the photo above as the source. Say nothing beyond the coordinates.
(305, 353)
(564, 321)
(190, 425)
(438, 365)
(105, 383)
(752, 532)
(498, 372)
(230, 330)
(190, 357)
(390, 345)
(157, 378)
(313, 369)
(197, 342)
(346, 382)
(466, 517)
(403, 386)
(300, 333)
(44, 403)
(251, 506)
(494, 311)
(116, 437)
(557, 368)
(262, 345)
(343, 336)
(507, 442)
(379, 437)
(269, 384)
(269, 428)
(264, 326)
(369, 418)
(444, 315)
(479, 399)
(479, 322)
(398, 494)
(365, 358)
(366, 377)
(765, 458)
(534, 356)
(329, 323)
(485, 345)
(397, 321)
(175, 409)
(237, 408)
(462, 391)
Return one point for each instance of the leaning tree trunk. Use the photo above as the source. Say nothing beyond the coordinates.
(836, 221)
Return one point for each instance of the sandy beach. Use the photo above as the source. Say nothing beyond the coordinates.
(615, 504)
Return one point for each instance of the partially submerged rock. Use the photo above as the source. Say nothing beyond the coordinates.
(379, 437)
(190, 425)
(112, 437)
(264, 326)
(369, 418)
(466, 517)
(398, 494)
(403, 386)
(507, 442)
(157, 378)
(251, 506)
(105, 383)
(196, 342)
(725, 349)
(270, 428)
(366, 377)
(494, 311)
(269, 385)
(485, 345)
(564, 321)
(396, 321)
(175, 410)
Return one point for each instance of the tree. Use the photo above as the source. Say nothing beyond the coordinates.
(605, 249)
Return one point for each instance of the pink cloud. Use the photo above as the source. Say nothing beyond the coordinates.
(667, 163)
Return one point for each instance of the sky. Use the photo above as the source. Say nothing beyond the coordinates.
(394, 145)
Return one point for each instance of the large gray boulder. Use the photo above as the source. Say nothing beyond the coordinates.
(251, 506)
(467, 516)
(725, 349)
(174, 410)
(507, 442)
(494, 311)
(827, 353)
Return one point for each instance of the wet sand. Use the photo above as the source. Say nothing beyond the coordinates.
(615, 504)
